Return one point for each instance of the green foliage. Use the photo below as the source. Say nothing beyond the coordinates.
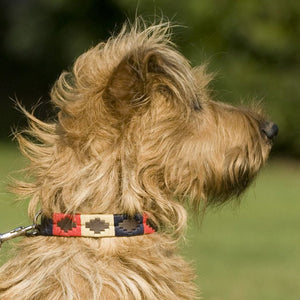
(38, 40)
(252, 45)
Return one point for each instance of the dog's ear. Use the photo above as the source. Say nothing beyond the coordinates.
(124, 88)
(127, 87)
(154, 64)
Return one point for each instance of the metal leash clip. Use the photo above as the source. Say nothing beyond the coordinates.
(30, 230)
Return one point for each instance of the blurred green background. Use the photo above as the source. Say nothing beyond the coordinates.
(246, 252)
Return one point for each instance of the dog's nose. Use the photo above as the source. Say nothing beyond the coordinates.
(269, 129)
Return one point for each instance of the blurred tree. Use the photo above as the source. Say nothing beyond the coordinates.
(40, 38)
(252, 44)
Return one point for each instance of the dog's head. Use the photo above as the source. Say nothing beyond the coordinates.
(137, 131)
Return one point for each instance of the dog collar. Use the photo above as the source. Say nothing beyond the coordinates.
(95, 225)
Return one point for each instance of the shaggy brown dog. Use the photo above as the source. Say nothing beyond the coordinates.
(136, 133)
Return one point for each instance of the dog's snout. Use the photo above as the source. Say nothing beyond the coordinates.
(270, 130)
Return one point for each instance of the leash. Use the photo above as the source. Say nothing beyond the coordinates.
(30, 230)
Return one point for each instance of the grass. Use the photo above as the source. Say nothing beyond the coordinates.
(245, 252)
(12, 213)
(253, 251)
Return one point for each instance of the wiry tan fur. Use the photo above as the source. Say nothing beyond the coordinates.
(136, 132)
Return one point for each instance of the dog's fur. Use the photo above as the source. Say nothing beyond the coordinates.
(136, 132)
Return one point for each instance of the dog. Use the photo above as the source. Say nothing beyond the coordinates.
(137, 139)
